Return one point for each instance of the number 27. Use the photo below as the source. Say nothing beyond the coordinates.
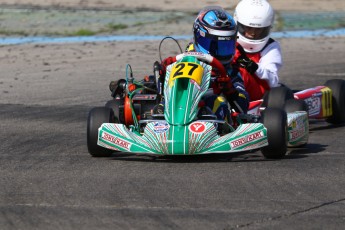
(180, 67)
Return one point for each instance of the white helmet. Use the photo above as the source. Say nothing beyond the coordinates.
(256, 17)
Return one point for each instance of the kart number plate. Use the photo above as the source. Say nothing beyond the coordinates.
(190, 70)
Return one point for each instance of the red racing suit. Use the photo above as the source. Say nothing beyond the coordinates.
(255, 86)
(269, 62)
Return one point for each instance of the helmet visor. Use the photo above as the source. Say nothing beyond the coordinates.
(222, 48)
(253, 33)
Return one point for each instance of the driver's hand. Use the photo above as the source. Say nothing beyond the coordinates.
(167, 61)
(245, 62)
(223, 79)
(221, 85)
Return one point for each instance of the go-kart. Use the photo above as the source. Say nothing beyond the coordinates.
(326, 102)
(127, 124)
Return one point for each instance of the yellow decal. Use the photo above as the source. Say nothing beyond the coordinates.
(190, 47)
(294, 124)
(217, 103)
(326, 102)
(190, 70)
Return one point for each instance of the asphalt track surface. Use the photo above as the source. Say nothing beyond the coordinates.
(49, 181)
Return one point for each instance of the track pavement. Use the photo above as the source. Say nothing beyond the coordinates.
(49, 181)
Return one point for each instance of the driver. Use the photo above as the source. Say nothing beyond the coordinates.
(215, 33)
(258, 55)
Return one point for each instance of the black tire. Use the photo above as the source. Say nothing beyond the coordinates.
(275, 120)
(114, 105)
(338, 100)
(293, 105)
(277, 96)
(98, 116)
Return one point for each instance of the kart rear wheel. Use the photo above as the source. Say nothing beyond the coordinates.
(275, 120)
(338, 100)
(98, 116)
(277, 96)
(293, 105)
(114, 105)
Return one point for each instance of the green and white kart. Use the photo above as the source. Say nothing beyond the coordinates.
(181, 130)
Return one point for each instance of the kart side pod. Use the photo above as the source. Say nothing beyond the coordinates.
(298, 128)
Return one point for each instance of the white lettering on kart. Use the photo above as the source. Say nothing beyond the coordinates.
(314, 105)
(116, 140)
(246, 139)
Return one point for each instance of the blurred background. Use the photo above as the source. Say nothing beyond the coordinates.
(66, 18)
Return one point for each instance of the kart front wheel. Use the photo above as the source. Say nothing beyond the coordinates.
(338, 100)
(98, 116)
(277, 96)
(275, 120)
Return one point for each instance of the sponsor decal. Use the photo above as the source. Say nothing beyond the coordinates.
(197, 127)
(295, 134)
(144, 97)
(225, 38)
(301, 122)
(244, 140)
(160, 127)
(294, 124)
(314, 105)
(195, 53)
(117, 141)
(108, 137)
(255, 24)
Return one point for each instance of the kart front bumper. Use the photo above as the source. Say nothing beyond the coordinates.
(199, 137)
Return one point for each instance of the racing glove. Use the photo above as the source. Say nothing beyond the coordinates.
(245, 62)
(167, 61)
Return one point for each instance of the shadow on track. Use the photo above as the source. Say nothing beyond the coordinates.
(308, 149)
(254, 156)
(325, 126)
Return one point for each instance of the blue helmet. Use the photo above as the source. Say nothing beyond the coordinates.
(215, 33)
